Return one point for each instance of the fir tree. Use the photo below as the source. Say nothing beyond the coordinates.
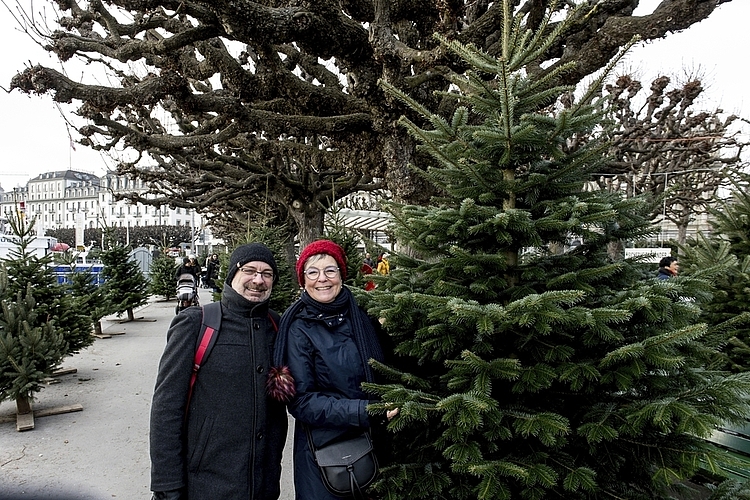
(88, 296)
(525, 371)
(31, 345)
(729, 246)
(30, 348)
(162, 277)
(53, 301)
(125, 286)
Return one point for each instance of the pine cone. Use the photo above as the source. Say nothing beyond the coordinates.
(280, 384)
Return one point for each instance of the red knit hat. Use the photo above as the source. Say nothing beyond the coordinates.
(326, 247)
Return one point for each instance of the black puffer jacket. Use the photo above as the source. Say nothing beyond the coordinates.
(231, 447)
(328, 371)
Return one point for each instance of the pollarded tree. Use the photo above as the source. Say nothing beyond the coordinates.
(224, 101)
(665, 148)
(522, 371)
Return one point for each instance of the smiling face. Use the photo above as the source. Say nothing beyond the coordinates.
(249, 281)
(323, 288)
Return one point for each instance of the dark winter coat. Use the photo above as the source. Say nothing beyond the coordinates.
(212, 268)
(328, 371)
(183, 269)
(664, 274)
(230, 447)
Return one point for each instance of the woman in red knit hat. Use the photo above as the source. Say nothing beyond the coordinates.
(322, 355)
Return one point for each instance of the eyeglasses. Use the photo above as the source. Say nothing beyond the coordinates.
(313, 273)
(252, 272)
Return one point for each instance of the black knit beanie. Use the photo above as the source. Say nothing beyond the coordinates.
(249, 253)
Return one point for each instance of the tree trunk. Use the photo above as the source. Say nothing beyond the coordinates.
(23, 405)
(681, 233)
(97, 328)
(131, 316)
(309, 220)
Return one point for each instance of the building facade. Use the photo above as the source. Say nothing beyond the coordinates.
(79, 200)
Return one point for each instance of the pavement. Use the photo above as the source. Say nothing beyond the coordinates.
(100, 452)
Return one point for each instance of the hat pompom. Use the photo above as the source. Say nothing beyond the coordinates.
(280, 384)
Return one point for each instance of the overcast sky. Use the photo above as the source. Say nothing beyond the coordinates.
(35, 139)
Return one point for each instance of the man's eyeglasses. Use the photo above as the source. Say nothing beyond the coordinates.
(252, 272)
(313, 273)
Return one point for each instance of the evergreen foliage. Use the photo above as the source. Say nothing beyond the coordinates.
(30, 348)
(728, 247)
(31, 344)
(162, 277)
(125, 286)
(88, 297)
(524, 371)
(52, 300)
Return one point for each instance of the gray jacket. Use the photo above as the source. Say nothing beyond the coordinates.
(230, 446)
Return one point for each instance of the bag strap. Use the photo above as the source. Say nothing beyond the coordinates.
(210, 324)
(273, 323)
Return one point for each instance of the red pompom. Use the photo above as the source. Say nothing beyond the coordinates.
(280, 384)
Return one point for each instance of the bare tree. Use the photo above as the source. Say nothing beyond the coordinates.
(231, 105)
(663, 147)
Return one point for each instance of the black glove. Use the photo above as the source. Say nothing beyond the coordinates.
(169, 495)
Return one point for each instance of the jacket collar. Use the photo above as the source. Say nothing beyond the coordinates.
(239, 304)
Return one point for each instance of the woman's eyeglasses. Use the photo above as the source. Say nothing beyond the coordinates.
(313, 273)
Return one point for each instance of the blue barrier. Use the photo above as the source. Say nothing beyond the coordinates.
(62, 272)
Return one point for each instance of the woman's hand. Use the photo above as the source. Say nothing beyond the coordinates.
(391, 413)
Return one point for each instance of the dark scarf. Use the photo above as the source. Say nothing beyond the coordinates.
(280, 383)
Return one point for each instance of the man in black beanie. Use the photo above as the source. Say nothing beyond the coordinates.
(225, 440)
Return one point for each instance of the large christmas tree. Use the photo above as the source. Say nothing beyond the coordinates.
(527, 367)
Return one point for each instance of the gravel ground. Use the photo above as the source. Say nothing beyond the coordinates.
(100, 452)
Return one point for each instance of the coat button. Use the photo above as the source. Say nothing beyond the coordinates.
(256, 326)
(260, 369)
(260, 435)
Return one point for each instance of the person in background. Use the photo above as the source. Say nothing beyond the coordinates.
(368, 261)
(321, 358)
(228, 443)
(384, 267)
(187, 267)
(668, 268)
(212, 271)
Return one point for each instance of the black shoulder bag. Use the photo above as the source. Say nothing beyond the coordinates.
(347, 467)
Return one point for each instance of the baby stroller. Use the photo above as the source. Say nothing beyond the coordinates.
(187, 292)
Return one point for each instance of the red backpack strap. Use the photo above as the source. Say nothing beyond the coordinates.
(273, 323)
(210, 323)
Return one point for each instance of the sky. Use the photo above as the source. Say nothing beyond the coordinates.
(35, 137)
